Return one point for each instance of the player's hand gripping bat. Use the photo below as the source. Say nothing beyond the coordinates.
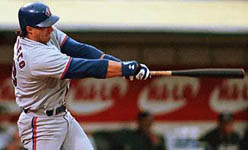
(208, 72)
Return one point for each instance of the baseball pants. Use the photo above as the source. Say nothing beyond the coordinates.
(60, 132)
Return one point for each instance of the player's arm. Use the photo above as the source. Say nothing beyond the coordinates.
(102, 68)
(77, 49)
(52, 63)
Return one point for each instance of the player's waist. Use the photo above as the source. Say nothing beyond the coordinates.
(47, 112)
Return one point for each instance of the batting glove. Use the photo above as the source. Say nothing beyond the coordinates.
(143, 72)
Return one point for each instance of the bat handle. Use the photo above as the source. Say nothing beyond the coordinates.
(161, 73)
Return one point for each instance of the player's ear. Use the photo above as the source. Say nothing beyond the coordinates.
(29, 29)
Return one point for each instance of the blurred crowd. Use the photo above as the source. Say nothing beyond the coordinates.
(141, 138)
(222, 137)
(9, 138)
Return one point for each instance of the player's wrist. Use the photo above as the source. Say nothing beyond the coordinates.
(133, 69)
(129, 68)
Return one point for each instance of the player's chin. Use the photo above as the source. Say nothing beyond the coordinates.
(45, 40)
(48, 39)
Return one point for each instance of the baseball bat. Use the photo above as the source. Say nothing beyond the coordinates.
(237, 73)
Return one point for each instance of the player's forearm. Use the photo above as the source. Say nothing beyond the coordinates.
(114, 69)
(117, 69)
(99, 68)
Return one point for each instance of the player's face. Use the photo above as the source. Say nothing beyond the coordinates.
(41, 35)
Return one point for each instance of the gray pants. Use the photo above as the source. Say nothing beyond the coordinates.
(60, 132)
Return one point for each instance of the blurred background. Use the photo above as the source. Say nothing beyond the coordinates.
(164, 35)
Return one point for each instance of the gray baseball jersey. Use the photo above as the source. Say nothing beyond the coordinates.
(37, 72)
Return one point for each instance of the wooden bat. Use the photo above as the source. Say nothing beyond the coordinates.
(207, 72)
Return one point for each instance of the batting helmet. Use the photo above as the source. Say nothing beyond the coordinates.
(36, 14)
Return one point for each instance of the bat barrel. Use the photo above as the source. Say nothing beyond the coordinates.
(215, 73)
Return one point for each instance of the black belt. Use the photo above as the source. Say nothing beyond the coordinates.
(58, 110)
(50, 112)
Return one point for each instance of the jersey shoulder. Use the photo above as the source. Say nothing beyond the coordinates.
(49, 62)
(58, 37)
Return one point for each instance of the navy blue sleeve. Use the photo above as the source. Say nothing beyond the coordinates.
(80, 50)
(109, 57)
(83, 68)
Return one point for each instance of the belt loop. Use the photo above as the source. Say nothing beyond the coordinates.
(49, 112)
(25, 110)
(54, 111)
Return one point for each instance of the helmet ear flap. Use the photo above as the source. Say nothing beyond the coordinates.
(22, 21)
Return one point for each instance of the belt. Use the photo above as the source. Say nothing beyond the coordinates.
(50, 112)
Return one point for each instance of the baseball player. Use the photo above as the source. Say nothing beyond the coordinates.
(45, 59)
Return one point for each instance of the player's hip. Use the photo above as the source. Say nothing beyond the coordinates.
(44, 127)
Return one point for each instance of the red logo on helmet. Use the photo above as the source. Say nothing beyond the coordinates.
(48, 12)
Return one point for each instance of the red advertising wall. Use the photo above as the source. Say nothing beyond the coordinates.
(168, 98)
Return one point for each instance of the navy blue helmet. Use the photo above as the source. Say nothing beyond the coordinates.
(36, 14)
